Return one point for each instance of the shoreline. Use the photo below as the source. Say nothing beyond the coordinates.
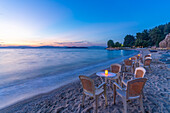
(62, 99)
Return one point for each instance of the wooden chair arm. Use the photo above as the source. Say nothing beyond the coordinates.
(117, 85)
(125, 73)
(101, 85)
(124, 83)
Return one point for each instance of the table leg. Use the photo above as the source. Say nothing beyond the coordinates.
(105, 80)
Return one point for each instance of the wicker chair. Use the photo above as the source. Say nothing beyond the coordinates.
(147, 63)
(139, 58)
(132, 91)
(134, 59)
(92, 91)
(139, 73)
(128, 64)
(149, 55)
(116, 68)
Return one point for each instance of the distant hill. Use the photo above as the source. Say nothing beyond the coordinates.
(25, 47)
(39, 47)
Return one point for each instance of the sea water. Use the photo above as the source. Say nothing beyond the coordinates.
(27, 72)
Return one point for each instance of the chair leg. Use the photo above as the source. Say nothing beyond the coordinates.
(83, 99)
(125, 105)
(119, 79)
(105, 95)
(123, 76)
(149, 68)
(143, 95)
(96, 102)
(114, 94)
(122, 79)
(141, 104)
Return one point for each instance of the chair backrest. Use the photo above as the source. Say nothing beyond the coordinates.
(134, 58)
(115, 68)
(140, 72)
(135, 87)
(147, 62)
(141, 59)
(138, 57)
(88, 84)
(149, 55)
(128, 62)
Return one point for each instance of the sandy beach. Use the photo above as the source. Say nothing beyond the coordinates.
(68, 98)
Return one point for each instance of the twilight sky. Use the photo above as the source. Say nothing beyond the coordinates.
(77, 22)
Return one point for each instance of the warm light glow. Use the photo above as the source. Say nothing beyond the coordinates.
(129, 58)
(138, 54)
(106, 72)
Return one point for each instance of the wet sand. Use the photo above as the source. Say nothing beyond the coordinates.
(67, 99)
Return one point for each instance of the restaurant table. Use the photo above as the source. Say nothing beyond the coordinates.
(103, 75)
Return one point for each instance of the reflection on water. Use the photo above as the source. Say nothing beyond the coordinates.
(24, 72)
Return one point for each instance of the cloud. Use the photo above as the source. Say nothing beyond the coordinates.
(58, 43)
(82, 42)
(41, 43)
(74, 43)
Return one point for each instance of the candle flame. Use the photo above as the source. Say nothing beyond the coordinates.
(106, 72)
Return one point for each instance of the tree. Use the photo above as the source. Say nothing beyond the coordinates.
(147, 38)
(167, 28)
(129, 41)
(117, 44)
(139, 42)
(142, 39)
(110, 43)
(156, 35)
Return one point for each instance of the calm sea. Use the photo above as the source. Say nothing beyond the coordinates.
(28, 72)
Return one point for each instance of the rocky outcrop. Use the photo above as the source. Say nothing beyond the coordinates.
(166, 42)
